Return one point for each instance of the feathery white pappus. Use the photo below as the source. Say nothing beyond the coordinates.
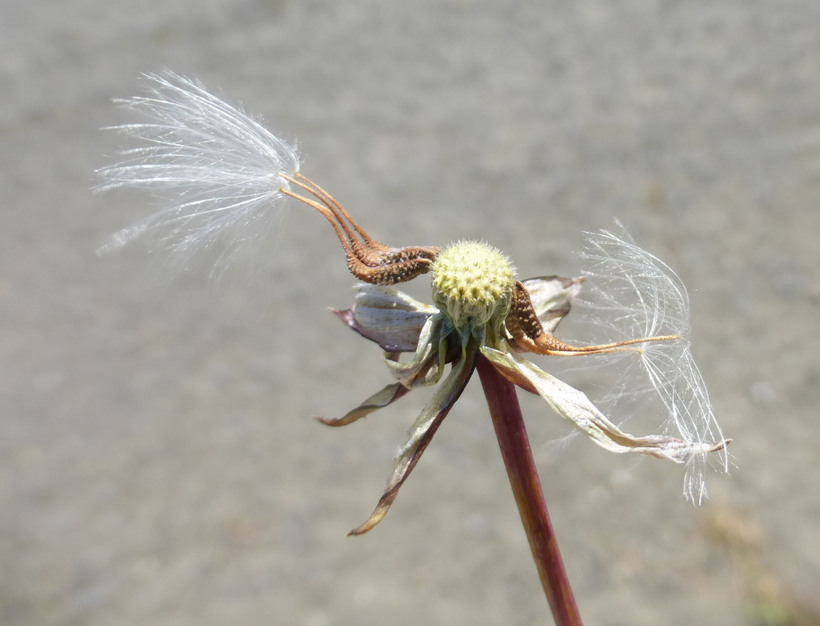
(629, 292)
(214, 170)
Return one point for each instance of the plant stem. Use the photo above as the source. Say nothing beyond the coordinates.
(526, 486)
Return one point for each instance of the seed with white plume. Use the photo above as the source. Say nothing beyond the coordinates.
(633, 293)
(214, 170)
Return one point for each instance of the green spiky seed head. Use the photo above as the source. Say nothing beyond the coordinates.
(473, 284)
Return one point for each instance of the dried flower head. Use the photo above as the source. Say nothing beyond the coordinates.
(219, 170)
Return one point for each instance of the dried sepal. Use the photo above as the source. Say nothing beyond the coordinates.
(426, 365)
(574, 406)
(382, 398)
(388, 317)
(551, 298)
(420, 435)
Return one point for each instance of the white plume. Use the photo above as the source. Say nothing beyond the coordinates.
(631, 293)
(214, 170)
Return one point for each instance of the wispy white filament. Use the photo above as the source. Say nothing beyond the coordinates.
(214, 170)
(632, 293)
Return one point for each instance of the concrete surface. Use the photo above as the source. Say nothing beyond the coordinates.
(158, 460)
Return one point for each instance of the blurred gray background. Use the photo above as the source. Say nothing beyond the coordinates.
(158, 460)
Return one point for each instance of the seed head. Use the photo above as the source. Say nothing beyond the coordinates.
(472, 285)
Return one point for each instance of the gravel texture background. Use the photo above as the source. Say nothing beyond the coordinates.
(158, 460)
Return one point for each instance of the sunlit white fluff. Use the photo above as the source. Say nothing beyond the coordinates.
(631, 293)
(214, 170)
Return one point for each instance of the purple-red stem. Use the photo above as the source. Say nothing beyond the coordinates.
(526, 486)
